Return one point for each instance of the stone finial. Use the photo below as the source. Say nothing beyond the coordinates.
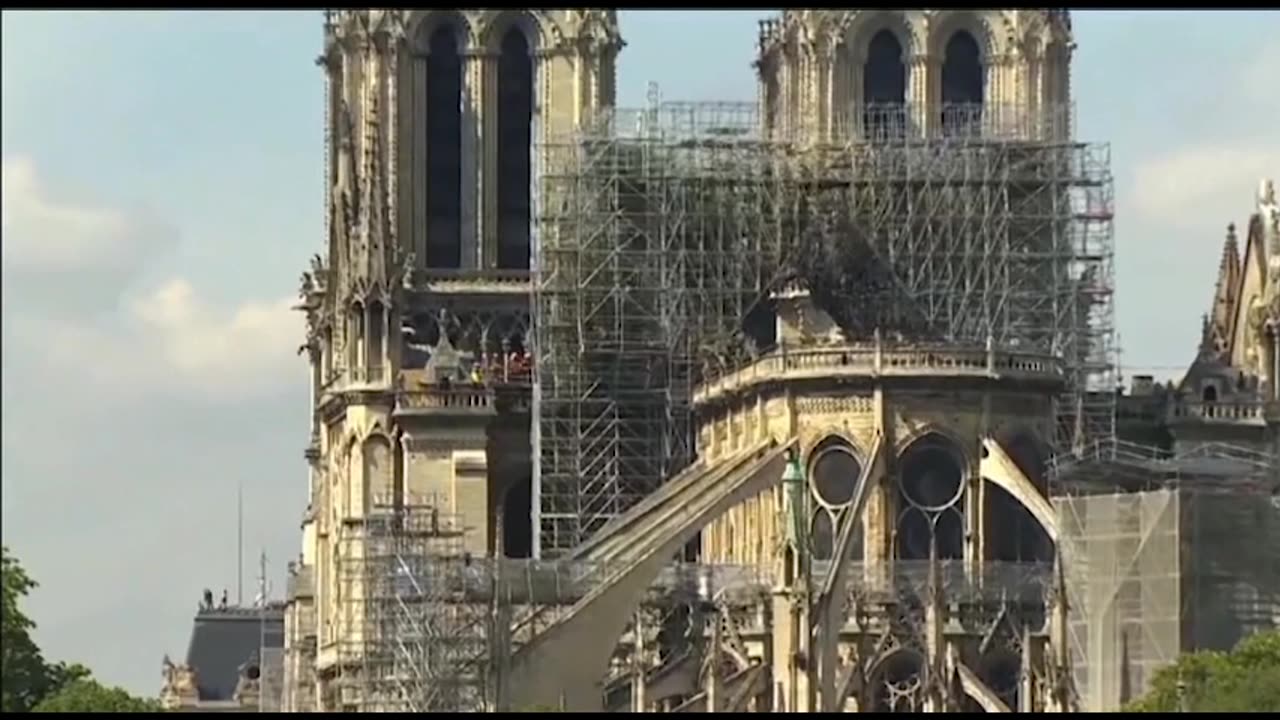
(1266, 192)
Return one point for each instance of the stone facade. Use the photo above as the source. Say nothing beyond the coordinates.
(388, 428)
(818, 73)
(898, 437)
(418, 312)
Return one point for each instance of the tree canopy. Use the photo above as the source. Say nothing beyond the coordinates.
(1247, 679)
(89, 696)
(29, 681)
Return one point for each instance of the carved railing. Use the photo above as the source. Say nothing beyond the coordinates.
(439, 400)
(861, 360)
(1222, 412)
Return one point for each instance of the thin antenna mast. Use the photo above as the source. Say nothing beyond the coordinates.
(240, 544)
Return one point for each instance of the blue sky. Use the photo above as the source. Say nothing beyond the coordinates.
(163, 189)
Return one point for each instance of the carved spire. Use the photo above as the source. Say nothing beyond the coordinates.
(1221, 324)
(373, 197)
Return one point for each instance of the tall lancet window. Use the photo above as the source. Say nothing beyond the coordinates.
(962, 85)
(884, 88)
(444, 149)
(515, 118)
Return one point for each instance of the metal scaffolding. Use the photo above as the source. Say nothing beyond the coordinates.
(663, 232)
(412, 636)
(1164, 554)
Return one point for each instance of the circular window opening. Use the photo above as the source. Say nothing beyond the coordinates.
(898, 684)
(835, 476)
(932, 477)
(252, 672)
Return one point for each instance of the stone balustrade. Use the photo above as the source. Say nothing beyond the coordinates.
(869, 361)
(504, 282)
(451, 401)
(1219, 412)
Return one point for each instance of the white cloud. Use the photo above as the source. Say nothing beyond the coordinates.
(1218, 178)
(43, 235)
(133, 407)
(255, 341)
(72, 263)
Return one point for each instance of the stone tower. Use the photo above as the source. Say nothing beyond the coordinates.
(828, 74)
(433, 118)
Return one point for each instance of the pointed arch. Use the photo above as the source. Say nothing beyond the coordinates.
(964, 42)
(433, 126)
(444, 147)
(539, 30)
(932, 478)
(378, 477)
(834, 468)
(376, 336)
(963, 82)
(876, 47)
(516, 38)
(355, 336)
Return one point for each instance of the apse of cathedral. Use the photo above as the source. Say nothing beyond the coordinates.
(818, 360)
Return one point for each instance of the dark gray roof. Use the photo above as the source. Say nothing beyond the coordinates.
(224, 640)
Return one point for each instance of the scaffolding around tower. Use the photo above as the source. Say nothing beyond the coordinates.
(663, 232)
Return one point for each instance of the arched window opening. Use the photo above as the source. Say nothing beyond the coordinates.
(930, 501)
(355, 337)
(884, 88)
(397, 476)
(822, 535)
(375, 346)
(760, 325)
(378, 475)
(517, 520)
(515, 125)
(326, 354)
(962, 85)
(1210, 394)
(835, 476)
(350, 495)
(444, 150)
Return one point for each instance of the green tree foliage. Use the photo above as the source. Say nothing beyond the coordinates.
(27, 678)
(1247, 679)
(90, 696)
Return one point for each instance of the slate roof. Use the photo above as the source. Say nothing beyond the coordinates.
(223, 640)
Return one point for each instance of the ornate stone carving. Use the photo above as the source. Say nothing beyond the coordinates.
(179, 684)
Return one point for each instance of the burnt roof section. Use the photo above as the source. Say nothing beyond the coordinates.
(225, 639)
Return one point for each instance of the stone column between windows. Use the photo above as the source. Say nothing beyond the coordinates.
(919, 92)
(390, 127)
(809, 76)
(477, 67)
(1033, 92)
(826, 76)
(486, 250)
(997, 95)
